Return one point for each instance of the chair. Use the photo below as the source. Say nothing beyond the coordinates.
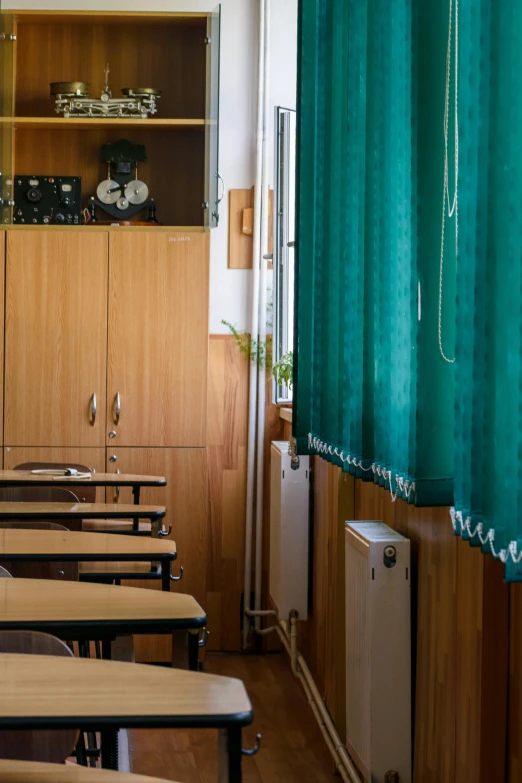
(4, 573)
(43, 745)
(86, 494)
(30, 570)
(42, 495)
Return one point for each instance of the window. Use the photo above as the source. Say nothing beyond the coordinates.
(284, 244)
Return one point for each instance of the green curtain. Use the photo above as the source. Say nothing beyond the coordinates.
(371, 390)
(488, 425)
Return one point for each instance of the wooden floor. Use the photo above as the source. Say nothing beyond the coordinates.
(292, 748)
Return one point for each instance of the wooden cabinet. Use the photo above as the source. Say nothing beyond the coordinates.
(158, 338)
(186, 498)
(177, 53)
(56, 338)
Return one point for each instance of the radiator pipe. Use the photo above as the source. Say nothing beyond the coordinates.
(299, 666)
(254, 325)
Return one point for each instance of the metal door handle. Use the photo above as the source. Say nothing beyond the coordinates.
(93, 408)
(117, 408)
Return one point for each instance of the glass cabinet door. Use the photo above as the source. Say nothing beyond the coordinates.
(7, 39)
(213, 183)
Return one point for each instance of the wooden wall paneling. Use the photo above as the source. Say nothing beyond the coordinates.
(227, 439)
(55, 337)
(514, 771)
(481, 666)
(174, 169)
(168, 56)
(92, 458)
(186, 499)
(158, 338)
(434, 584)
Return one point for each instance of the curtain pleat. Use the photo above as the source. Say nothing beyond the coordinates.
(488, 399)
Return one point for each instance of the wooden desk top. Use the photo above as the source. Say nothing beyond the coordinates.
(36, 772)
(21, 510)
(19, 478)
(44, 603)
(57, 692)
(80, 546)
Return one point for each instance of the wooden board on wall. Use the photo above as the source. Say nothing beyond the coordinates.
(240, 244)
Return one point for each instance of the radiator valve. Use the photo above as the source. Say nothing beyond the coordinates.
(292, 451)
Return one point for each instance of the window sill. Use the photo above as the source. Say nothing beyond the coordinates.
(286, 414)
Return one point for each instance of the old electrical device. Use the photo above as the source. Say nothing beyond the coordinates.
(122, 195)
(47, 200)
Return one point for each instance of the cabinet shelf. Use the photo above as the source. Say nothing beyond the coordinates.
(93, 123)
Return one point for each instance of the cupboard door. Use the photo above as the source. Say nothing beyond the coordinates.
(186, 499)
(56, 337)
(158, 338)
(94, 459)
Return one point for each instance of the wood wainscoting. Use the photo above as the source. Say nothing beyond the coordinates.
(461, 634)
(228, 381)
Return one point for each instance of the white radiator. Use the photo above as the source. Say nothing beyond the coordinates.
(289, 496)
(378, 652)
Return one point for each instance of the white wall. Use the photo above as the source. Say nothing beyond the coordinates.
(229, 289)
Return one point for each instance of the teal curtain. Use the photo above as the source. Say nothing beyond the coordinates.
(488, 400)
(371, 391)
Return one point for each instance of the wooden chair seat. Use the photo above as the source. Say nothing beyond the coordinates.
(34, 772)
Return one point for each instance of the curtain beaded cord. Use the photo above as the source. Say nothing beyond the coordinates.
(371, 391)
(488, 399)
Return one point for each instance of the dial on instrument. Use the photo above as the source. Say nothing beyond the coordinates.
(109, 191)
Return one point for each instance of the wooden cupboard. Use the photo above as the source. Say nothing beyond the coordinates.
(97, 321)
(158, 339)
(56, 338)
(177, 53)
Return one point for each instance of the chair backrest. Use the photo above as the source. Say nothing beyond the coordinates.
(42, 494)
(65, 570)
(4, 573)
(86, 493)
(43, 745)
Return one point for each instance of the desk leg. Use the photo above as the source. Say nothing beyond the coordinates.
(135, 520)
(165, 575)
(109, 748)
(229, 748)
(193, 650)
